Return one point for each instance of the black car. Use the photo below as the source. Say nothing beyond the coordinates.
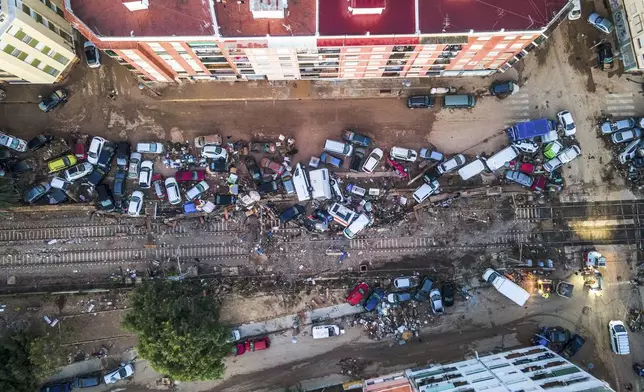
(267, 187)
(357, 159)
(20, 167)
(447, 291)
(54, 99)
(105, 199)
(605, 56)
(253, 169)
(105, 159)
(574, 344)
(5, 154)
(119, 188)
(422, 294)
(38, 142)
(87, 381)
(292, 213)
(420, 102)
(122, 154)
(54, 196)
(96, 176)
(218, 165)
(224, 200)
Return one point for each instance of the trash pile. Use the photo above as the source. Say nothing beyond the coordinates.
(401, 323)
(624, 138)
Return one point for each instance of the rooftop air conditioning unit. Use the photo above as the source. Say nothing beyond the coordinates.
(268, 9)
(367, 7)
(136, 5)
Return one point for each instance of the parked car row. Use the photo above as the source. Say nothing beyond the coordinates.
(123, 372)
(627, 130)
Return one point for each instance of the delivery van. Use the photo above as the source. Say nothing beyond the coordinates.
(301, 183)
(471, 169)
(498, 160)
(326, 331)
(339, 148)
(506, 287)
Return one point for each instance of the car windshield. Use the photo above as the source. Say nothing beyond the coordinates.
(90, 53)
(570, 126)
(619, 328)
(122, 372)
(200, 187)
(14, 143)
(135, 200)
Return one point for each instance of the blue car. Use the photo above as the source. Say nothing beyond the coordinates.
(423, 291)
(374, 299)
(331, 160)
(190, 208)
(396, 298)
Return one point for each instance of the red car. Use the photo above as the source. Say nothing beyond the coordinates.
(159, 188)
(190, 175)
(79, 149)
(400, 169)
(539, 184)
(527, 168)
(273, 166)
(252, 345)
(358, 294)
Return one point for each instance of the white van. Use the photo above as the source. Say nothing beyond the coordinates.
(340, 148)
(506, 287)
(426, 190)
(301, 183)
(361, 222)
(498, 160)
(618, 337)
(342, 214)
(320, 183)
(326, 331)
(471, 169)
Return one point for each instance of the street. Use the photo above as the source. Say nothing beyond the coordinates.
(263, 268)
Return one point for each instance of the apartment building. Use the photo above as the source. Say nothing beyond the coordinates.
(167, 40)
(628, 17)
(36, 44)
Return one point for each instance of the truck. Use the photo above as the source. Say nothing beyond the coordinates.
(326, 331)
(506, 287)
(530, 129)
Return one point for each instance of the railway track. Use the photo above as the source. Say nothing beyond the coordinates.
(105, 232)
(625, 209)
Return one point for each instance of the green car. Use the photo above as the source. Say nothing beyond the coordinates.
(552, 149)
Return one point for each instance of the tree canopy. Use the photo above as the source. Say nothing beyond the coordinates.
(25, 361)
(178, 330)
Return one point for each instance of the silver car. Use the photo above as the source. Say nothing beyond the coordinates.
(79, 171)
(451, 164)
(145, 175)
(133, 169)
(626, 135)
(519, 178)
(608, 127)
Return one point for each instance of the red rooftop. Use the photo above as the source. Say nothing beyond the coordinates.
(258, 18)
(455, 16)
(155, 18)
(342, 17)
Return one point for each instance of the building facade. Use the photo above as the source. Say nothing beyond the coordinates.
(36, 44)
(314, 39)
(628, 16)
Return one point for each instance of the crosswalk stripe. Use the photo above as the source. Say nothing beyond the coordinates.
(619, 95)
(625, 107)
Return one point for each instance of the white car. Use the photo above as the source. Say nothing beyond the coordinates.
(13, 142)
(214, 152)
(405, 282)
(630, 151)
(526, 146)
(119, 374)
(145, 174)
(403, 154)
(79, 171)
(173, 191)
(575, 12)
(566, 156)
(60, 183)
(566, 121)
(149, 148)
(608, 127)
(197, 190)
(95, 148)
(136, 204)
(372, 160)
(135, 161)
(92, 55)
(437, 301)
(451, 164)
(358, 224)
(626, 135)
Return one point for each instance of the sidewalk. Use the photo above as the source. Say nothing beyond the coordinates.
(286, 322)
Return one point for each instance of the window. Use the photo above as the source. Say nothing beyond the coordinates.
(351, 63)
(526, 37)
(476, 47)
(484, 38)
(61, 59)
(510, 37)
(493, 54)
(285, 58)
(376, 56)
(379, 49)
(637, 24)
(353, 50)
(111, 53)
(26, 9)
(517, 46)
(500, 46)
(35, 63)
(50, 70)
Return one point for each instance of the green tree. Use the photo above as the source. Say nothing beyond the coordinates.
(9, 195)
(178, 330)
(25, 361)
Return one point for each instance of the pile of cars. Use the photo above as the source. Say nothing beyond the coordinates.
(404, 289)
(626, 135)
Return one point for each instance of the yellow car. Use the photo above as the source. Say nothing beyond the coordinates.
(61, 163)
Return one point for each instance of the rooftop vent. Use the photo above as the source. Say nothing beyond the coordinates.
(367, 7)
(268, 9)
(136, 5)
